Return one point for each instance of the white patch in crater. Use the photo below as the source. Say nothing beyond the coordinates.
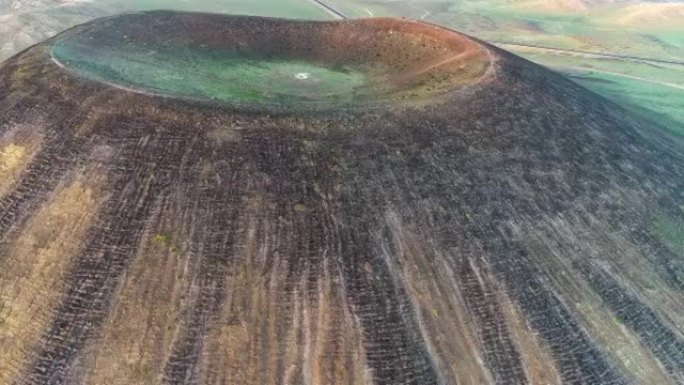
(302, 75)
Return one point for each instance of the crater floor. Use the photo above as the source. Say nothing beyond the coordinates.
(267, 61)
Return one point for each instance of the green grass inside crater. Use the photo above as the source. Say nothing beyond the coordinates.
(202, 73)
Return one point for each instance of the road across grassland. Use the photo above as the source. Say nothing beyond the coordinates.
(592, 54)
(337, 14)
(664, 84)
(331, 10)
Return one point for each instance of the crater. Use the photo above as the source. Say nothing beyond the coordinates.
(265, 61)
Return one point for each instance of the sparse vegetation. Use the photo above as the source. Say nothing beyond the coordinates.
(671, 231)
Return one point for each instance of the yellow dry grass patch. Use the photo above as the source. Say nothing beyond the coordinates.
(32, 267)
(266, 334)
(10, 157)
(557, 6)
(317, 341)
(14, 158)
(138, 335)
(441, 311)
(536, 357)
(648, 14)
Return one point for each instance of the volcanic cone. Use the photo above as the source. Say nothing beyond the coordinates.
(205, 199)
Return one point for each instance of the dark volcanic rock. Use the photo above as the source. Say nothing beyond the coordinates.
(439, 211)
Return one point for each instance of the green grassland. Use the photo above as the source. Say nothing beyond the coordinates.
(671, 232)
(649, 87)
(300, 9)
(655, 101)
(654, 90)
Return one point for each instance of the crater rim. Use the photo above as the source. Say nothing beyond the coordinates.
(252, 62)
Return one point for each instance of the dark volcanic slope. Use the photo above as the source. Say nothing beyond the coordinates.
(509, 228)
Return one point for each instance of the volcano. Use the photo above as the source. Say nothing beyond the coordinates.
(210, 199)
